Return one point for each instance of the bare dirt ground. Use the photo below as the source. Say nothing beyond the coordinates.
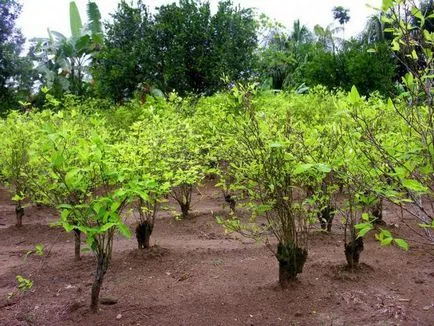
(195, 274)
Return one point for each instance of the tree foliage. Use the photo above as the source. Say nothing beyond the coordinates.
(341, 15)
(15, 71)
(64, 61)
(182, 47)
(127, 58)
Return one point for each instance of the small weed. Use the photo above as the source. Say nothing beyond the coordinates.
(217, 262)
(23, 283)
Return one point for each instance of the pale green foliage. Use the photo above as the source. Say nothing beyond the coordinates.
(16, 134)
(39, 250)
(166, 147)
(24, 284)
(283, 156)
(397, 137)
(263, 165)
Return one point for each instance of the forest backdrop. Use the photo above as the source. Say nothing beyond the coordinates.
(186, 48)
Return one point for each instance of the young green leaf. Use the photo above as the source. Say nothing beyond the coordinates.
(401, 244)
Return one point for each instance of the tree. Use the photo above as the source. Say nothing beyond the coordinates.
(374, 30)
(341, 15)
(321, 69)
(183, 44)
(326, 37)
(127, 58)
(142, 152)
(300, 33)
(64, 61)
(369, 67)
(265, 167)
(16, 136)
(182, 48)
(15, 71)
(283, 55)
(406, 158)
(232, 28)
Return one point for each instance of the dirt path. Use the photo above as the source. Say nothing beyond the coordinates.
(195, 274)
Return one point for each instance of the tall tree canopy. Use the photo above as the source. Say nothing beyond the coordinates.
(182, 47)
(341, 15)
(127, 59)
(15, 71)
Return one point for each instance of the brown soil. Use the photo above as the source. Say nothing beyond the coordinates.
(195, 274)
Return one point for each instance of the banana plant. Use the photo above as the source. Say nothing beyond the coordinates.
(64, 61)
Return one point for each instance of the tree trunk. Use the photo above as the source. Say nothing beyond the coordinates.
(182, 194)
(19, 212)
(185, 208)
(377, 212)
(97, 283)
(231, 201)
(352, 252)
(329, 226)
(291, 261)
(77, 245)
(326, 216)
(143, 234)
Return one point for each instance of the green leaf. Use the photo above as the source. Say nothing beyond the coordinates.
(65, 206)
(71, 178)
(106, 226)
(124, 230)
(23, 283)
(82, 43)
(418, 14)
(90, 241)
(413, 185)
(323, 168)
(75, 20)
(57, 160)
(395, 46)
(17, 197)
(115, 206)
(401, 244)
(354, 95)
(386, 241)
(364, 231)
(302, 168)
(362, 225)
(386, 233)
(68, 227)
(365, 217)
(387, 4)
(39, 248)
(94, 17)
(57, 35)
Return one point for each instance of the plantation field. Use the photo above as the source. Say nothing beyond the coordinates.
(246, 207)
(164, 177)
(196, 274)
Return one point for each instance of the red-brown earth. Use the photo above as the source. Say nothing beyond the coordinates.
(196, 274)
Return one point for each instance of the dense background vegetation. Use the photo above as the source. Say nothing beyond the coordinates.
(186, 48)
